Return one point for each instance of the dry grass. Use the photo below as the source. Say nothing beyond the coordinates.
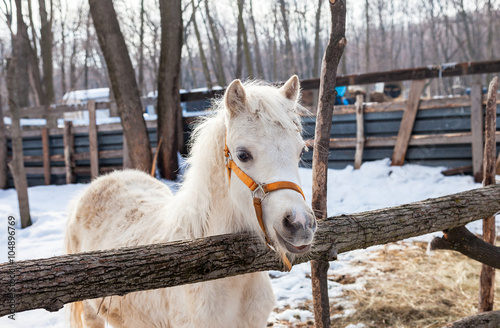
(407, 287)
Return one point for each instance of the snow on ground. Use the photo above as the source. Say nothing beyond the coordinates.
(375, 185)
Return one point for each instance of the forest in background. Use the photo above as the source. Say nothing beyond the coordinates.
(244, 39)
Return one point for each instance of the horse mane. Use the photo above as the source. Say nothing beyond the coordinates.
(205, 171)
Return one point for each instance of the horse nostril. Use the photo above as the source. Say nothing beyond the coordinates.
(289, 225)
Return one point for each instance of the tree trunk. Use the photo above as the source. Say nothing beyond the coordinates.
(191, 66)
(4, 181)
(35, 77)
(21, 51)
(244, 36)
(72, 66)
(367, 43)
(123, 83)
(258, 58)
(169, 101)
(290, 58)
(141, 51)
(221, 75)
(331, 59)
(87, 47)
(204, 63)
(63, 52)
(16, 166)
(50, 283)
(46, 39)
(239, 51)
(317, 29)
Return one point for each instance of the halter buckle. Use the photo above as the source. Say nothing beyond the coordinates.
(259, 191)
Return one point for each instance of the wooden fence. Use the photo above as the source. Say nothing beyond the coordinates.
(51, 283)
(442, 135)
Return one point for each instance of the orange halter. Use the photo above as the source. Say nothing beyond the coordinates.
(259, 192)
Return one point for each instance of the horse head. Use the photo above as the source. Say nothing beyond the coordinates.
(263, 148)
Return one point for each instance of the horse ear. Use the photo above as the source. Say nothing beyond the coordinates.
(291, 88)
(235, 97)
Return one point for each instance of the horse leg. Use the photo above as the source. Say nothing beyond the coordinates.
(258, 301)
(91, 319)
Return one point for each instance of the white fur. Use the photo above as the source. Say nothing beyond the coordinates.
(128, 208)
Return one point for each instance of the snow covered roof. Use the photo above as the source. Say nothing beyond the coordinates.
(81, 96)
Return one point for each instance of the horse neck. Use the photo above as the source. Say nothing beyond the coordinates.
(206, 207)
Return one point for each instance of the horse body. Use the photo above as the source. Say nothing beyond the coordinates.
(130, 208)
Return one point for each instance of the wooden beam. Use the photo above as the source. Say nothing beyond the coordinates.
(416, 140)
(360, 133)
(46, 155)
(498, 164)
(483, 320)
(406, 127)
(68, 140)
(418, 73)
(476, 122)
(93, 143)
(52, 282)
(487, 277)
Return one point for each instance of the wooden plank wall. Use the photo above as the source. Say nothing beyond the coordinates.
(441, 133)
(441, 137)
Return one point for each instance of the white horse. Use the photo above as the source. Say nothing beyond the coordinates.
(261, 127)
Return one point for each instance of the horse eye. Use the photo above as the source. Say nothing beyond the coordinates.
(244, 156)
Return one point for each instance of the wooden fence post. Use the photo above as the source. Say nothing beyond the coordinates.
(360, 132)
(93, 144)
(327, 93)
(498, 164)
(476, 126)
(487, 278)
(68, 140)
(46, 155)
(406, 127)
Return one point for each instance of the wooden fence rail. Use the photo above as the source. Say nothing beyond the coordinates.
(50, 283)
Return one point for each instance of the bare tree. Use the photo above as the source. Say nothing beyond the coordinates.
(46, 43)
(141, 51)
(22, 50)
(169, 102)
(244, 37)
(317, 29)
(203, 58)
(16, 166)
(219, 67)
(3, 144)
(292, 68)
(258, 58)
(62, 19)
(123, 83)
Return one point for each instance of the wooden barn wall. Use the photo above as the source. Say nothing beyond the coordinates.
(378, 124)
(386, 124)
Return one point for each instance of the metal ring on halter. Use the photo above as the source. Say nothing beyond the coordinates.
(260, 187)
(228, 158)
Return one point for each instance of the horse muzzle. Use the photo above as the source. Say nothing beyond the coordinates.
(296, 232)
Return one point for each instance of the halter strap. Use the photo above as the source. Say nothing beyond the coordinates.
(259, 192)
